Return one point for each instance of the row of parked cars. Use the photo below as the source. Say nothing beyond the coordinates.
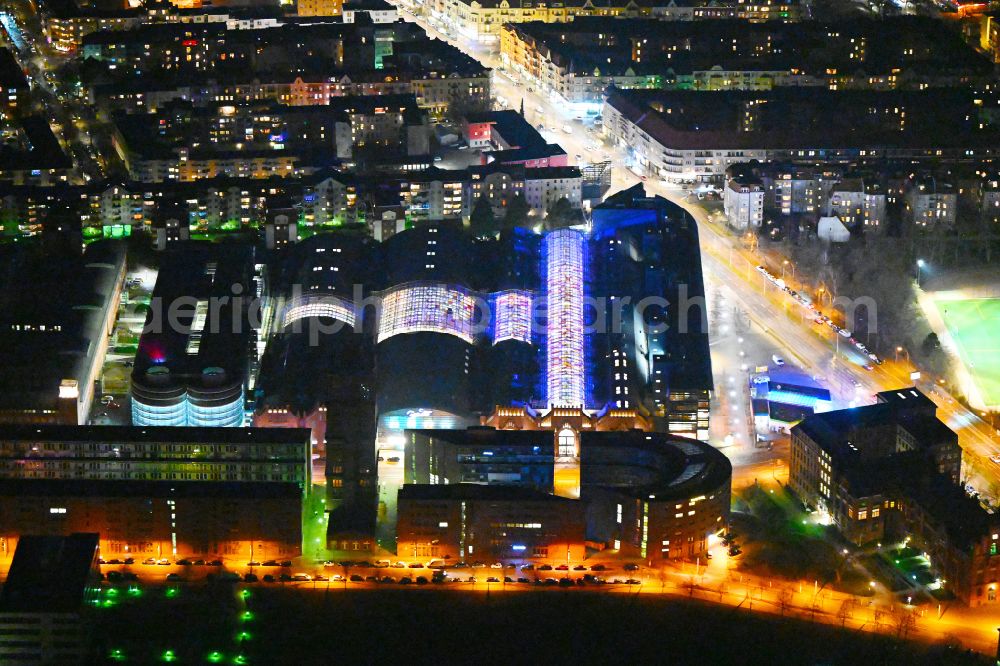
(444, 564)
(821, 318)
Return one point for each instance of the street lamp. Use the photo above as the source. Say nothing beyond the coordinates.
(920, 266)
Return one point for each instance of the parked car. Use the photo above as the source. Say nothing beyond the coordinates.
(301, 577)
(268, 578)
(247, 578)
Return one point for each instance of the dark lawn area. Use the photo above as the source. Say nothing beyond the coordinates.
(429, 625)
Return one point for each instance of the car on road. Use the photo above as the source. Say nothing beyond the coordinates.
(631, 567)
(631, 581)
(778, 361)
(567, 129)
(995, 459)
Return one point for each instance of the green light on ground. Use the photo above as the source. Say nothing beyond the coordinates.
(108, 603)
(171, 592)
(111, 592)
(244, 593)
(169, 656)
(215, 657)
(240, 659)
(246, 616)
(116, 655)
(243, 636)
(134, 591)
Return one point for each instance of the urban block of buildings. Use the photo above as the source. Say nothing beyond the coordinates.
(579, 61)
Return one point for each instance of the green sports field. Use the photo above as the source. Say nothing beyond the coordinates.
(974, 325)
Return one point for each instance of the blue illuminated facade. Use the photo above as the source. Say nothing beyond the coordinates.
(564, 256)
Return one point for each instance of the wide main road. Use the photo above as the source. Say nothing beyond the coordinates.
(728, 262)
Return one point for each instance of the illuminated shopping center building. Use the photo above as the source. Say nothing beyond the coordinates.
(448, 327)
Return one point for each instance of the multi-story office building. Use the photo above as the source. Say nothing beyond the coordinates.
(480, 455)
(197, 355)
(483, 523)
(119, 453)
(233, 521)
(891, 470)
(652, 355)
(164, 492)
(649, 495)
(59, 309)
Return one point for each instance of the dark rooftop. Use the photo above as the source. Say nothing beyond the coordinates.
(11, 75)
(807, 117)
(49, 574)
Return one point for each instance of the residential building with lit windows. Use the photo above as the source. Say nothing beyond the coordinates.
(931, 204)
(743, 203)
(891, 471)
(483, 523)
(197, 356)
(580, 60)
(319, 7)
(687, 136)
(183, 142)
(484, 21)
(859, 204)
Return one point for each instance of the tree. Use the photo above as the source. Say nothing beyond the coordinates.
(930, 344)
(518, 209)
(481, 220)
(562, 214)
